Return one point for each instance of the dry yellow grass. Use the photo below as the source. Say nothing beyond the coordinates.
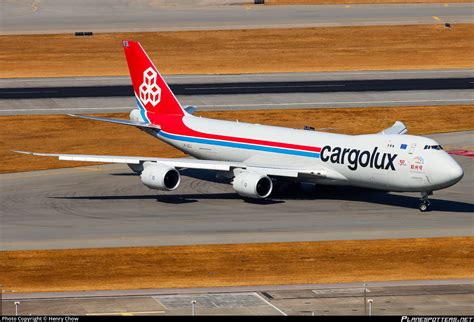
(64, 134)
(292, 2)
(244, 51)
(233, 265)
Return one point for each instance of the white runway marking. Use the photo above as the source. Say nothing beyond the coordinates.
(253, 87)
(67, 109)
(273, 306)
(28, 92)
(343, 102)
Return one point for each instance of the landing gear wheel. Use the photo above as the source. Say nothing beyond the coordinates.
(424, 206)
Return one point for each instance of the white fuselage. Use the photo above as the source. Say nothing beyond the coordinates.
(386, 162)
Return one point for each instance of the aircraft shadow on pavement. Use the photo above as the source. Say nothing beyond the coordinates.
(389, 199)
(125, 174)
(283, 192)
(320, 193)
(177, 198)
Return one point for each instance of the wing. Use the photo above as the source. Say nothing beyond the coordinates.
(117, 121)
(174, 162)
(189, 163)
(397, 128)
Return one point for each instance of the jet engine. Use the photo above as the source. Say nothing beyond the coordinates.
(160, 176)
(135, 116)
(252, 185)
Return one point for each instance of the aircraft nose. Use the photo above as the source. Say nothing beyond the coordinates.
(454, 172)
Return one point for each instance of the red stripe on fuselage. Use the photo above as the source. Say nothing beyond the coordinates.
(174, 124)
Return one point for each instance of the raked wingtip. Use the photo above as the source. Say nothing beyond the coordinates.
(23, 152)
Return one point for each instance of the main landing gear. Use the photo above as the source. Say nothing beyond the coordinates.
(425, 204)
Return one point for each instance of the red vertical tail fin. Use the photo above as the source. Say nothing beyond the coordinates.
(151, 91)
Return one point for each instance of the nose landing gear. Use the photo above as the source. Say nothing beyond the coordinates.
(425, 204)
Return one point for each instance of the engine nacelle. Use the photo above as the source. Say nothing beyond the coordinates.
(160, 176)
(135, 116)
(252, 185)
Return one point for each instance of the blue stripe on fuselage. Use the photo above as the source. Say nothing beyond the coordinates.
(239, 145)
(142, 110)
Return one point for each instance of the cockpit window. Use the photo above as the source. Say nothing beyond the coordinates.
(433, 147)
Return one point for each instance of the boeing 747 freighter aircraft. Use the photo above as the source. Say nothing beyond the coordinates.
(255, 156)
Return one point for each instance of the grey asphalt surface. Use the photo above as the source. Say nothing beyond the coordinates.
(107, 206)
(59, 16)
(441, 297)
(244, 78)
(244, 101)
(244, 88)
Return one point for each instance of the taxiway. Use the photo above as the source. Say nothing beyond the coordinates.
(108, 206)
(299, 90)
(441, 297)
(53, 16)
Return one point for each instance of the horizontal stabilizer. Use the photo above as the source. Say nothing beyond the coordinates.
(397, 128)
(190, 109)
(118, 121)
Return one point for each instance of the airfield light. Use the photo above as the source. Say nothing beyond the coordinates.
(193, 304)
(365, 298)
(17, 304)
(370, 301)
